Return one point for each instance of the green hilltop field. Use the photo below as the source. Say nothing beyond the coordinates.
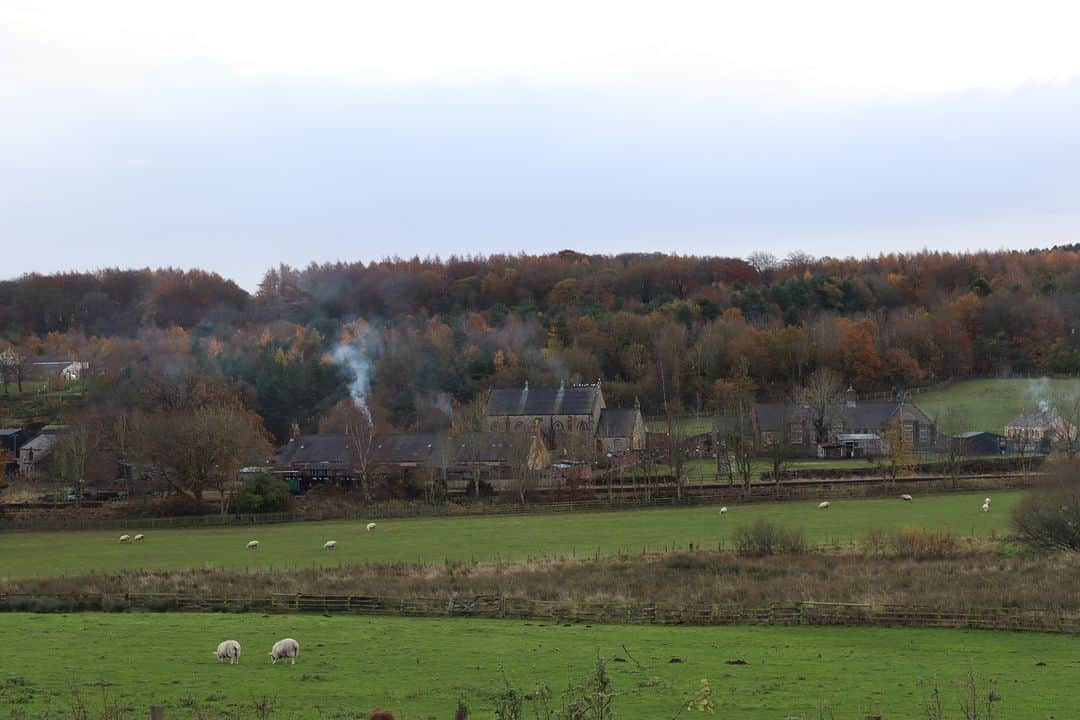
(299, 545)
(988, 404)
(420, 667)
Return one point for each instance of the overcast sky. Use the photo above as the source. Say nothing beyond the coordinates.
(236, 135)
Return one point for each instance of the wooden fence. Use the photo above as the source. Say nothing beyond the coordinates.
(696, 490)
(495, 606)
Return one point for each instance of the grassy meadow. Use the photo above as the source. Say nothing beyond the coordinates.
(988, 404)
(299, 545)
(420, 667)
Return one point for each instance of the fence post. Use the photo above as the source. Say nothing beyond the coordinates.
(157, 712)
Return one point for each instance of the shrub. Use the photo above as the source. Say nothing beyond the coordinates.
(767, 538)
(263, 494)
(920, 544)
(1049, 516)
(911, 543)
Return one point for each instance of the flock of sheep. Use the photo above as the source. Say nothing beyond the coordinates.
(285, 649)
(254, 544)
(825, 504)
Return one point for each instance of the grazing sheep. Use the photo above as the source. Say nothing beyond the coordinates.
(287, 648)
(370, 527)
(723, 510)
(986, 507)
(229, 650)
(986, 502)
(253, 545)
(138, 538)
(823, 505)
(906, 497)
(330, 545)
(125, 538)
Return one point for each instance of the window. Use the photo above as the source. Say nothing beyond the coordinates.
(768, 438)
(796, 434)
(909, 433)
(620, 444)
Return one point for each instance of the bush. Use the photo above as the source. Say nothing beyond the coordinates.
(1048, 520)
(920, 544)
(912, 543)
(263, 494)
(768, 538)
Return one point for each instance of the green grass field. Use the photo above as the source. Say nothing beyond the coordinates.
(419, 668)
(989, 404)
(299, 545)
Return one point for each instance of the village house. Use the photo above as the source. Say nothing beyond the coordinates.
(1034, 431)
(859, 429)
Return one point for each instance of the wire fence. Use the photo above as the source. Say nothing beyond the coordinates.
(495, 606)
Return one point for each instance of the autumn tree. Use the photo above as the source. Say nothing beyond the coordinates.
(203, 448)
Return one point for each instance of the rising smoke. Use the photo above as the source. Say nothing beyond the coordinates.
(358, 346)
(1038, 391)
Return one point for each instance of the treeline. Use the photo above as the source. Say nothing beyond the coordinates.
(662, 328)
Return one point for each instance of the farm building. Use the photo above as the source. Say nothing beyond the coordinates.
(565, 414)
(791, 425)
(981, 443)
(68, 368)
(35, 452)
(424, 457)
(11, 439)
(852, 445)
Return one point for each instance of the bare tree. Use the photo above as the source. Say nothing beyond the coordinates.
(893, 458)
(520, 451)
(735, 428)
(69, 458)
(1065, 424)
(204, 448)
(951, 423)
(823, 398)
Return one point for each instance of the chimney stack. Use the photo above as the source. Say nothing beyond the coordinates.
(850, 396)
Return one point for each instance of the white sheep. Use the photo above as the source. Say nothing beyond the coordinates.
(906, 497)
(330, 545)
(823, 505)
(125, 538)
(228, 650)
(287, 648)
(986, 502)
(138, 538)
(723, 510)
(253, 545)
(986, 507)
(370, 527)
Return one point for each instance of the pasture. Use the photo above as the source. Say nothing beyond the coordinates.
(420, 667)
(300, 545)
(988, 404)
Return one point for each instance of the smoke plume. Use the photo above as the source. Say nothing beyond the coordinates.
(359, 345)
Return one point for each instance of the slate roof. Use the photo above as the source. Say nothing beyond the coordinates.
(573, 400)
(616, 422)
(771, 416)
(328, 450)
(483, 447)
(405, 448)
(1032, 420)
